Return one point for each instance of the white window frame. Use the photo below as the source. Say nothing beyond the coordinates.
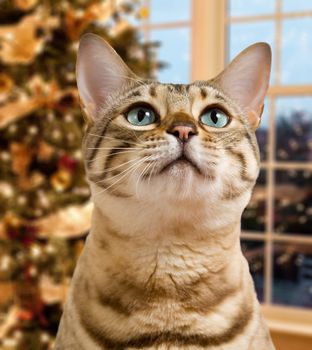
(209, 23)
(213, 52)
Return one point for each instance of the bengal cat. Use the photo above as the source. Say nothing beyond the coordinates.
(171, 169)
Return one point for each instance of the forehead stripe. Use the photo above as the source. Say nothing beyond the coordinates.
(203, 92)
(152, 91)
(134, 93)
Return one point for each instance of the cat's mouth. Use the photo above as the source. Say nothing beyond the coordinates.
(183, 161)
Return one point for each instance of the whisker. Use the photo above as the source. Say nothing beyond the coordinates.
(113, 138)
(142, 173)
(105, 148)
(113, 168)
(151, 172)
(105, 155)
(126, 174)
(130, 167)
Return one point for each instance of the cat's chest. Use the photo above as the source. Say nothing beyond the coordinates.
(176, 263)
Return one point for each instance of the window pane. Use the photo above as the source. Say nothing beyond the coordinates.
(254, 253)
(294, 128)
(175, 51)
(242, 35)
(253, 218)
(262, 132)
(251, 7)
(170, 11)
(292, 284)
(293, 201)
(296, 5)
(296, 51)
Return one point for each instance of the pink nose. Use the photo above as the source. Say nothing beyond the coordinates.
(183, 132)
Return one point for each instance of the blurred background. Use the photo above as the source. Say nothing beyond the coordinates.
(44, 198)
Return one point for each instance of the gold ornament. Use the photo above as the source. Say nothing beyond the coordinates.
(61, 180)
(35, 179)
(6, 266)
(25, 5)
(35, 252)
(120, 27)
(45, 151)
(21, 158)
(12, 220)
(101, 11)
(66, 222)
(77, 21)
(6, 189)
(22, 42)
(6, 86)
(143, 12)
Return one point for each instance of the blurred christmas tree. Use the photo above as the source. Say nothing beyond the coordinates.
(44, 198)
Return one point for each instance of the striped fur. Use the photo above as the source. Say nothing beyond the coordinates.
(162, 267)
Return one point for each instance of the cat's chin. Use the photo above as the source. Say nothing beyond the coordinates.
(180, 168)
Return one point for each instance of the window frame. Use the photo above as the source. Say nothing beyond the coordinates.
(210, 20)
(269, 236)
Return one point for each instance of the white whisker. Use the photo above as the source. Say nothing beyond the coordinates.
(142, 173)
(130, 167)
(113, 168)
(111, 148)
(126, 174)
(151, 172)
(105, 155)
(113, 138)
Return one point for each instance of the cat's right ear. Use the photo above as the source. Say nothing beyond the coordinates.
(100, 71)
(246, 80)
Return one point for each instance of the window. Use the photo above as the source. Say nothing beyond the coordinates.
(277, 224)
(172, 28)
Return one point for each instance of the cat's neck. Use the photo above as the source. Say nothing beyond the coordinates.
(179, 254)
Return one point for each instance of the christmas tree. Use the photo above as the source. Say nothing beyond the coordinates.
(44, 197)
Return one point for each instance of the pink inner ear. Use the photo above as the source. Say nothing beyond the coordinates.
(100, 73)
(246, 79)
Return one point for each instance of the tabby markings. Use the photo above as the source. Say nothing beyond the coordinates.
(145, 340)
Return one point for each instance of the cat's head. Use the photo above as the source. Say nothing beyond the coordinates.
(149, 140)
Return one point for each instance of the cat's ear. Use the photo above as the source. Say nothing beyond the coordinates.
(100, 71)
(246, 80)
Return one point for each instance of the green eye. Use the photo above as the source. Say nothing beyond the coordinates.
(215, 118)
(141, 116)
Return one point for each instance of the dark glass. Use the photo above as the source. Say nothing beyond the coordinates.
(262, 133)
(294, 128)
(293, 202)
(253, 218)
(254, 253)
(292, 283)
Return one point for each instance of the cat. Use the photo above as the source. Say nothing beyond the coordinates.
(171, 168)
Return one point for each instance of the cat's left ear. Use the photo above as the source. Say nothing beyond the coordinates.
(100, 72)
(246, 80)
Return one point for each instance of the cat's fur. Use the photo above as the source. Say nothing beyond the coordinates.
(162, 267)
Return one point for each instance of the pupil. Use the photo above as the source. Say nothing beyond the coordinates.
(141, 115)
(214, 116)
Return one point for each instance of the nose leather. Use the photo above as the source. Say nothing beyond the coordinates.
(182, 130)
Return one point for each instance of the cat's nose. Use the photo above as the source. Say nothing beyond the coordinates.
(183, 131)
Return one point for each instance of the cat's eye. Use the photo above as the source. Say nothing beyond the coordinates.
(214, 117)
(141, 116)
